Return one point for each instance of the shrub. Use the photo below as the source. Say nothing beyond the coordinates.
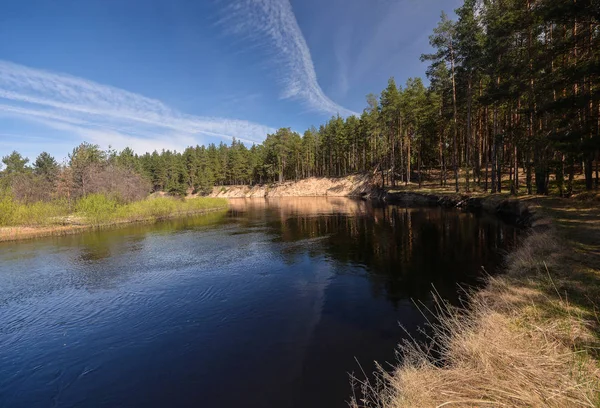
(30, 188)
(121, 183)
(97, 208)
(40, 213)
(7, 208)
(13, 212)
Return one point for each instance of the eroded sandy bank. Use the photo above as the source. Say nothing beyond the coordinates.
(350, 186)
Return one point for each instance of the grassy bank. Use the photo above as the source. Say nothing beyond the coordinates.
(23, 221)
(531, 338)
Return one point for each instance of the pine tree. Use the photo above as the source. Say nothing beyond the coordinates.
(15, 163)
(46, 166)
(444, 40)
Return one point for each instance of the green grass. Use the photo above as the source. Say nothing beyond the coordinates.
(156, 208)
(99, 209)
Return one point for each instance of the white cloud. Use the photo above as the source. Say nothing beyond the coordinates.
(273, 23)
(103, 113)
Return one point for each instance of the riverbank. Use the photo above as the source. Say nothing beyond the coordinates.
(531, 338)
(513, 210)
(96, 212)
(357, 185)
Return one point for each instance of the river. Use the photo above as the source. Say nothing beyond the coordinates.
(271, 303)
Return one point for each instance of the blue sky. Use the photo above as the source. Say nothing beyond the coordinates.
(156, 74)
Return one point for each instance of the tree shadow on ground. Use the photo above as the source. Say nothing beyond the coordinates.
(569, 277)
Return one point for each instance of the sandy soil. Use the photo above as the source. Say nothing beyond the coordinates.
(355, 185)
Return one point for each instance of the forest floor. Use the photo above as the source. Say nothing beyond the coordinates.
(431, 184)
(531, 338)
(98, 217)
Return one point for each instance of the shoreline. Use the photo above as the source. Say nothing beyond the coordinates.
(530, 336)
(508, 209)
(26, 233)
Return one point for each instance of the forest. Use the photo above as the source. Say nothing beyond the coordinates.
(512, 94)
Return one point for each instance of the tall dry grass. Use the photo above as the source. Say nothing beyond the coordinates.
(520, 343)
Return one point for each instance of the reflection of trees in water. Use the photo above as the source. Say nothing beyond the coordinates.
(306, 206)
(96, 247)
(404, 251)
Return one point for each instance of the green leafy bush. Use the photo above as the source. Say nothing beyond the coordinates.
(7, 208)
(97, 208)
(13, 213)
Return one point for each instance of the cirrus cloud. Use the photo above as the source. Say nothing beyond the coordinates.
(273, 24)
(102, 113)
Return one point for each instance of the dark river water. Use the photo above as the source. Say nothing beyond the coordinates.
(268, 304)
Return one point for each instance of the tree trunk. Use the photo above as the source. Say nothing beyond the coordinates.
(419, 161)
(494, 150)
(454, 140)
(468, 135)
(589, 171)
(442, 164)
(408, 157)
(401, 159)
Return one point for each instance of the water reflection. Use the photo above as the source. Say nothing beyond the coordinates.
(403, 251)
(265, 304)
(301, 206)
(98, 245)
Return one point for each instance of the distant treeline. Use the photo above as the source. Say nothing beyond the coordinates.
(514, 86)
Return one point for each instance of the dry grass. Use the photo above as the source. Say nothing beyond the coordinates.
(530, 339)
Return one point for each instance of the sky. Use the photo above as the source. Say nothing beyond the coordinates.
(167, 74)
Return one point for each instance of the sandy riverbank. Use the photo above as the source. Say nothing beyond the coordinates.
(351, 186)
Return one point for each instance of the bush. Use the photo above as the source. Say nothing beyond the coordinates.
(7, 208)
(40, 213)
(121, 183)
(30, 188)
(150, 208)
(97, 208)
(13, 212)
